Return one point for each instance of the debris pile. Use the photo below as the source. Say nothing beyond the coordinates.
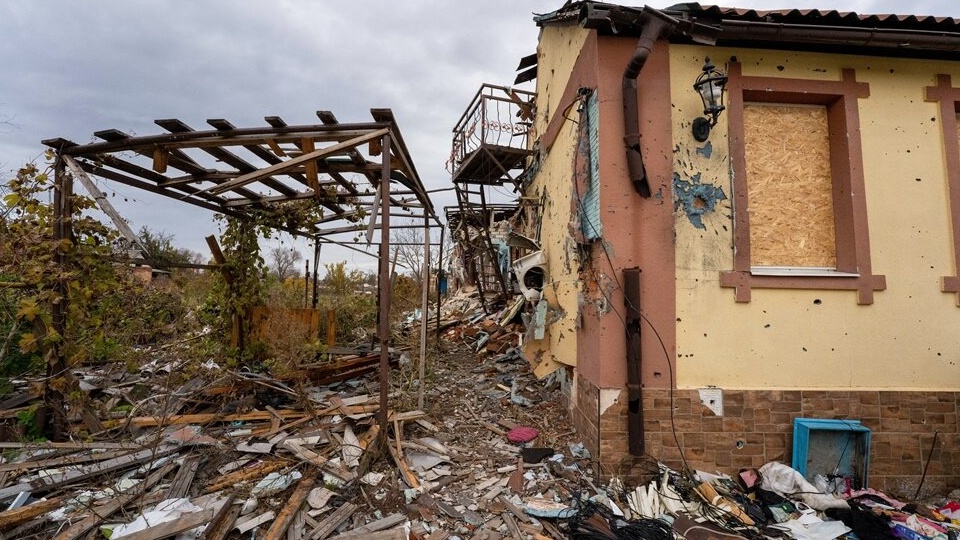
(223, 453)
(219, 453)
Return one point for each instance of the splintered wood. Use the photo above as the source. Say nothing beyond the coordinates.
(241, 455)
(790, 185)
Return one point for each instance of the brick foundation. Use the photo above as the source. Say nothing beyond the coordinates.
(757, 427)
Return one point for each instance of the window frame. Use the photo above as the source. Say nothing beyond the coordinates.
(949, 98)
(853, 269)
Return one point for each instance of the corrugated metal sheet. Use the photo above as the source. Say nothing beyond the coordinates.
(590, 224)
(816, 17)
(824, 17)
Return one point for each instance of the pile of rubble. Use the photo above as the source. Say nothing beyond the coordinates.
(218, 453)
(221, 453)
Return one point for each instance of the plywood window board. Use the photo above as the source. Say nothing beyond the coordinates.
(790, 185)
(796, 160)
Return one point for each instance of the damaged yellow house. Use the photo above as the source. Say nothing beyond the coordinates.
(720, 264)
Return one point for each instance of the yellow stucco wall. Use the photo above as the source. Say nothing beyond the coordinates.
(909, 338)
(553, 185)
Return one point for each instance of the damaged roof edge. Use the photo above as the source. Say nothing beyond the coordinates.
(906, 34)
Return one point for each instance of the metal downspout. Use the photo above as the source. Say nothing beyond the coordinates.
(655, 25)
(631, 300)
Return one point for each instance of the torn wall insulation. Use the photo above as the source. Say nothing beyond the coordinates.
(695, 199)
(790, 185)
(590, 224)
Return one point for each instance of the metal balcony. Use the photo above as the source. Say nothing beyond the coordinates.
(490, 143)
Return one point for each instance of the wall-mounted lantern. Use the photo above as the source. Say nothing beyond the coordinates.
(710, 85)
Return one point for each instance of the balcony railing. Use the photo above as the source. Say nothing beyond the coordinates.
(490, 139)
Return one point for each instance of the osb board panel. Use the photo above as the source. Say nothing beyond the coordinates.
(269, 324)
(790, 186)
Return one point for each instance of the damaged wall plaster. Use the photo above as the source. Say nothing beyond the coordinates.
(712, 398)
(798, 338)
(608, 398)
(695, 198)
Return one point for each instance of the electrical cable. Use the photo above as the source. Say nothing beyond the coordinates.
(596, 522)
(923, 477)
(673, 427)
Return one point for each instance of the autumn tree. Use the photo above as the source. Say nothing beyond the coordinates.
(283, 262)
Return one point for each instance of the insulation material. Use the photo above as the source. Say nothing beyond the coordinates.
(790, 185)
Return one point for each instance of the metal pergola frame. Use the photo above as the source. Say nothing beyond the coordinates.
(241, 171)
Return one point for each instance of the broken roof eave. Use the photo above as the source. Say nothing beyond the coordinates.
(911, 36)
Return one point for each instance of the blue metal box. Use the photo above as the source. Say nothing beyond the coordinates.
(831, 448)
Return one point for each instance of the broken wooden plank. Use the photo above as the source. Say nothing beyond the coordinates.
(295, 530)
(392, 534)
(286, 515)
(512, 526)
(207, 418)
(330, 524)
(256, 471)
(184, 478)
(493, 428)
(62, 461)
(17, 516)
(82, 473)
(250, 522)
(408, 476)
(364, 532)
(314, 458)
(7, 445)
(169, 528)
(81, 528)
(222, 521)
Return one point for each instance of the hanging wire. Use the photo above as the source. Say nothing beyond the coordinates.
(673, 426)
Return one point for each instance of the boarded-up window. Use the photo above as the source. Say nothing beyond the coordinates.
(789, 185)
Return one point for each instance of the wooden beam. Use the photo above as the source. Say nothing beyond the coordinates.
(313, 180)
(104, 204)
(257, 471)
(280, 167)
(286, 515)
(330, 524)
(205, 418)
(180, 486)
(82, 473)
(222, 522)
(170, 528)
(17, 516)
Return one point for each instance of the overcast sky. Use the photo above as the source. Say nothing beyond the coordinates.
(70, 68)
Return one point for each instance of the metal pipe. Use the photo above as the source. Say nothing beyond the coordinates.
(316, 272)
(631, 299)
(439, 270)
(655, 25)
(383, 328)
(425, 291)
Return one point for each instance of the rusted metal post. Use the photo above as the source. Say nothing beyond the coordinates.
(316, 270)
(443, 230)
(306, 284)
(425, 290)
(385, 290)
(631, 299)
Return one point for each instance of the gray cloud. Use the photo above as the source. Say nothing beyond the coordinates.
(71, 68)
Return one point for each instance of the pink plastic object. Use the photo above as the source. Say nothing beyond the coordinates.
(522, 434)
